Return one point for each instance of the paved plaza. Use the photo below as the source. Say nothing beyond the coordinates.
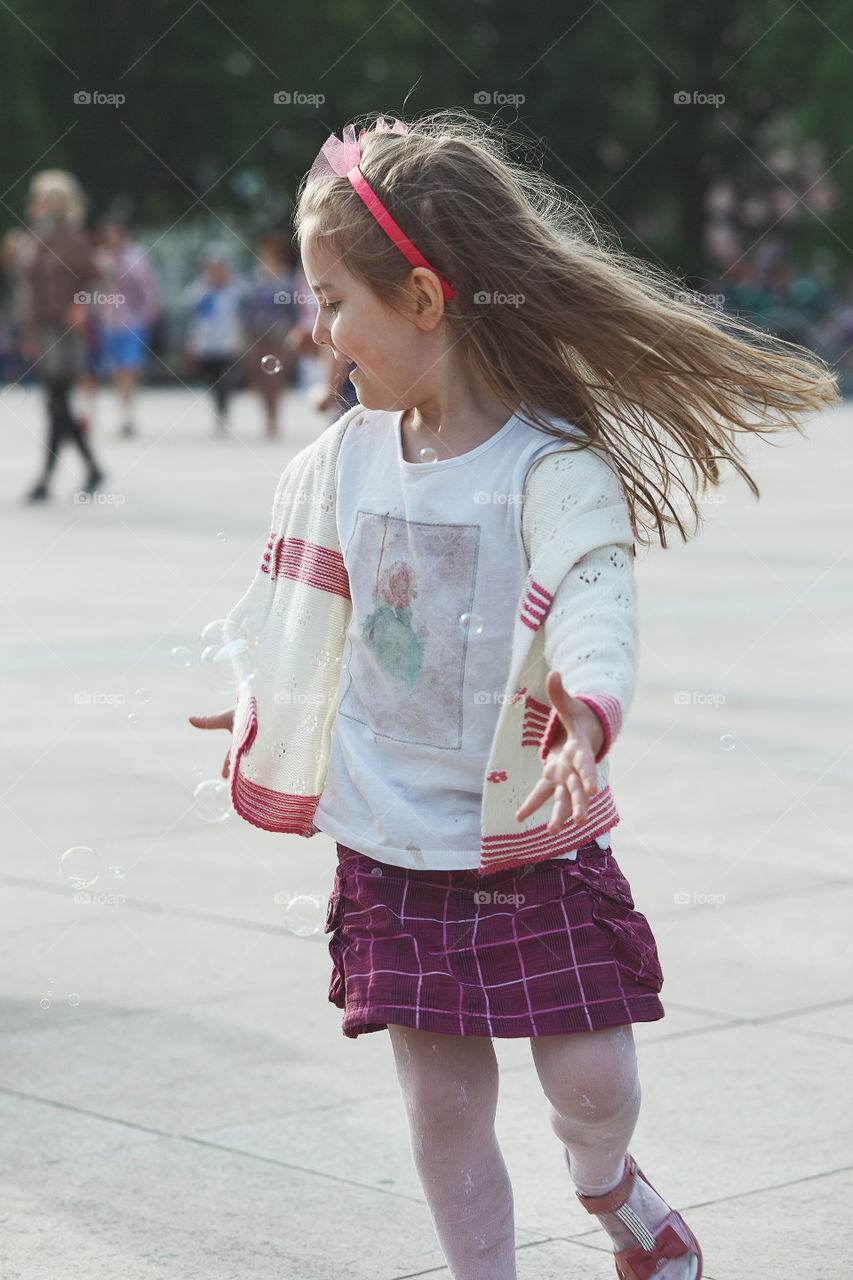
(178, 1101)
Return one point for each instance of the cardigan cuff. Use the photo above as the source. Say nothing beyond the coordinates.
(609, 712)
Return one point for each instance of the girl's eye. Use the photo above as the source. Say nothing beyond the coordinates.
(330, 306)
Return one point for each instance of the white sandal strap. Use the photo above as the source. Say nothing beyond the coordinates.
(643, 1235)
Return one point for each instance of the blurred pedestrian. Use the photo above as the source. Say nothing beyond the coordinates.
(12, 250)
(270, 313)
(128, 305)
(214, 335)
(56, 273)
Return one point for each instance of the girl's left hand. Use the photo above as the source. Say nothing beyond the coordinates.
(569, 772)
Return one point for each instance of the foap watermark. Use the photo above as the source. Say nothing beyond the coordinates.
(695, 297)
(683, 98)
(484, 298)
(293, 98)
(485, 697)
(86, 299)
(698, 697)
(98, 698)
(94, 98)
(487, 897)
(482, 496)
(97, 499)
(285, 298)
(291, 697)
(87, 898)
(495, 98)
(698, 899)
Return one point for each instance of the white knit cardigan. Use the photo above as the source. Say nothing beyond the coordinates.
(576, 614)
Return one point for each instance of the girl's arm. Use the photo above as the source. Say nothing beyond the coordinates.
(254, 606)
(590, 630)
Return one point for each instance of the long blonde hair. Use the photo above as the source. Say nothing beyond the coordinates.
(553, 315)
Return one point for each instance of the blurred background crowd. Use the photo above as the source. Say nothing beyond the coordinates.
(155, 250)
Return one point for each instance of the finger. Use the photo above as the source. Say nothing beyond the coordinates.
(226, 768)
(588, 775)
(559, 699)
(577, 799)
(560, 813)
(221, 720)
(538, 796)
(569, 803)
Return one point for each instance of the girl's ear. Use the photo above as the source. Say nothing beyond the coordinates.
(427, 298)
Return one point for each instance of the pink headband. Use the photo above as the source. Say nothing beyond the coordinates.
(342, 159)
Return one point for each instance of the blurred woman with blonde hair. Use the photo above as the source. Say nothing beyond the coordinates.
(56, 272)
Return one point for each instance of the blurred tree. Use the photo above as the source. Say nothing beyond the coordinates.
(200, 134)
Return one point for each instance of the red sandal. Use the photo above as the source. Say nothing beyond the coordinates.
(672, 1239)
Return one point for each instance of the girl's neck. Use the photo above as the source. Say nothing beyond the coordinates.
(451, 431)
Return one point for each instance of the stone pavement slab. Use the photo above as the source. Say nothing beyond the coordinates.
(195, 1110)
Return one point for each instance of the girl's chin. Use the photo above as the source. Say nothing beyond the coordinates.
(371, 399)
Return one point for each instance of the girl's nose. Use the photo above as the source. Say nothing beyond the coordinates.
(318, 333)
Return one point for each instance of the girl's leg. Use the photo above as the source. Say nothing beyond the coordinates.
(591, 1082)
(450, 1091)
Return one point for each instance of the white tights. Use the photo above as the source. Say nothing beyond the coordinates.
(450, 1091)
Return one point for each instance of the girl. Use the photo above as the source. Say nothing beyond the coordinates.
(445, 641)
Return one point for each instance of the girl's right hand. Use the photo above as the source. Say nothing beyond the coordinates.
(222, 720)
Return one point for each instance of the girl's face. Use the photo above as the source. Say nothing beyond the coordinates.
(392, 364)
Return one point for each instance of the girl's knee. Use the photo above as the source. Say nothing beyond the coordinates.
(591, 1076)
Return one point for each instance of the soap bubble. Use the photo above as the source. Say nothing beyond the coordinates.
(227, 657)
(79, 866)
(180, 656)
(471, 624)
(118, 872)
(221, 537)
(271, 364)
(142, 695)
(428, 455)
(213, 633)
(44, 1003)
(727, 742)
(228, 665)
(73, 999)
(132, 718)
(305, 914)
(212, 800)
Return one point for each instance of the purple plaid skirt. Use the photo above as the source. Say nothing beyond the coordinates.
(545, 949)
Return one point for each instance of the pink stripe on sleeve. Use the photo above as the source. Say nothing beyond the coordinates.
(309, 562)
